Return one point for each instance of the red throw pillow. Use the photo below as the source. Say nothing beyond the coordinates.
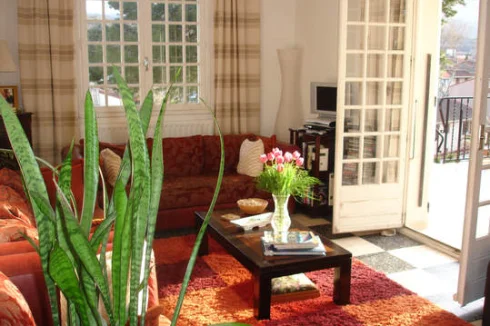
(12, 179)
(14, 309)
(14, 206)
(12, 230)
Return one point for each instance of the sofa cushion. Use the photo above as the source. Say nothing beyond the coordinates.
(14, 206)
(182, 156)
(198, 191)
(14, 309)
(12, 230)
(111, 163)
(12, 179)
(212, 152)
(249, 162)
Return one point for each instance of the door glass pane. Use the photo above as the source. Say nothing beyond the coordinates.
(374, 93)
(391, 146)
(191, 53)
(397, 11)
(396, 38)
(158, 33)
(111, 80)
(482, 222)
(370, 147)
(355, 37)
(192, 94)
(136, 95)
(158, 53)
(159, 75)
(392, 120)
(94, 53)
(351, 147)
(97, 96)
(132, 75)
(94, 32)
(350, 174)
(94, 9)
(376, 38)
(175, 53)
(113, 32)
(377, 10)
(356, 10)
(485, 185)
(192, 74)
(158, 12)
(372, 120)
(352, 121)
(394, 93)
(354, 65)
(174, 78)
(353, 93)
(159, 94)
(113, 97)
(390, 172)
(112, 11)
(95, 75)
(130, 11)
(395, 66)
(191, 33)
(375, 65)
(370, 172)
(113, 53)
(175, 33)
(177, 95)
(190, 13)
(130, 32)
(131, 53)
(175, 12)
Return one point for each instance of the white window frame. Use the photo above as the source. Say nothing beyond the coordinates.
(113, 117)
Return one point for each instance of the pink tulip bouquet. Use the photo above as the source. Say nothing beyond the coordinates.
(284, 174)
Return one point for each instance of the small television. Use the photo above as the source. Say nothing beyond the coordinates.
(323, 99)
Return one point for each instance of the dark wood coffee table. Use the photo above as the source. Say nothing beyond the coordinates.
(245, 246)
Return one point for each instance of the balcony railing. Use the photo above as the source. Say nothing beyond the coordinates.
(453, 129)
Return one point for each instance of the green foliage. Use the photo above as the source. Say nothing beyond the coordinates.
(68, 254)
(285, 178)
(448, 10)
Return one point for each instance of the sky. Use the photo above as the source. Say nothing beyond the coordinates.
(467, 14)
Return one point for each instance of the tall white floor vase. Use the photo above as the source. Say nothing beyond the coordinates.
(290, 112)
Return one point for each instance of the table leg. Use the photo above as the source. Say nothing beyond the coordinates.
(203, 248)
(262, 296)
(341, 283)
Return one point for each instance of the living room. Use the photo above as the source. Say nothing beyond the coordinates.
(311, 26)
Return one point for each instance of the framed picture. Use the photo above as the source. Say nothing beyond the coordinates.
(9, 93)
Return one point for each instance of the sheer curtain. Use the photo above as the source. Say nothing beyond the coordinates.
(47, 74)
(237, 65)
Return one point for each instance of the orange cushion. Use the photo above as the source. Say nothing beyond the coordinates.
(14, 309)
(14, 206)
(12, 179)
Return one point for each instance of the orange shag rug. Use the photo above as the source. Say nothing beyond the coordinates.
(221, 291)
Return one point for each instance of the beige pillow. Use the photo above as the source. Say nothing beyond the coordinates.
(111, 162)
(249, 161)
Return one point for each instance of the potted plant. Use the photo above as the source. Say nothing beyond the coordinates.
(68, 252)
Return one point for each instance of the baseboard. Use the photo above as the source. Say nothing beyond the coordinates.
(430, 242)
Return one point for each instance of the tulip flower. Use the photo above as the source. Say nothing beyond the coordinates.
(280, 159)
(296, 155)
(300, 161)
(288, 157)
(263, 158)
(280, 167)
(270, 156)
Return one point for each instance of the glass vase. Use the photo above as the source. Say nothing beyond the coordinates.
(280, 221)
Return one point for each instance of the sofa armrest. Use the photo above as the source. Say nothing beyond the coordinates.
(75, 154)
(286, 147)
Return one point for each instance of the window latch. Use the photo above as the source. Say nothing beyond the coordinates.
(146, 63)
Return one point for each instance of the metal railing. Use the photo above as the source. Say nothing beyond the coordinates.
(453, 129)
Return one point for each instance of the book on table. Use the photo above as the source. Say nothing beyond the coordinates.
(298, 243)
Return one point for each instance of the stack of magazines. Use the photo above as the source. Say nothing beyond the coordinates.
(296, 243)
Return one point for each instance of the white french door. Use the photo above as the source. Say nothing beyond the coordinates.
(475, 252)
(372, 110)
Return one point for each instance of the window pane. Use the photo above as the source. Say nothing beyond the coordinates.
(95, 75)
(175, 33)
(375, 65)
(349, 174)
(376, 38)
(112, 10)
(130, 32)
(191, 53)
(132, 75)
(356, 10)
(351, 147)
(392, 120)
(94, 9)
(131, 53)
(159, 94)
(159, 75)
(354, 65)
(355, 37)
(177, 95)
(190, 13)
(110, 76)
(369, 172)
(192, 94)
(94, 53)
(352, 121)
(394, 93)
(191, 33)
(158, 33)
(94, 32)
(353, 93)
(113, 97)
(159, 54)
(174, 12)
(374, 93)
(372, 120)
(175, 53)
(158, 12)
(113, 32)
(130, 11)
(392, 144)
(397, 11)
(377, 10)
(192, 74)
(370, 147)
(395, 66)
(98, 96)
(113, 53)
(396, 38)
(390, 172)
(174, 78)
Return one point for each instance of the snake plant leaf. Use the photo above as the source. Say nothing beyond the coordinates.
(63, 273)
(140, 180)
(34, 182)
(202, 231)
(90, 165)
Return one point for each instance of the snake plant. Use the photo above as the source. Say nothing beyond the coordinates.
(74, 262)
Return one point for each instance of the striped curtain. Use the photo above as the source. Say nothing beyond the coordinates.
(237, 65)
(47, 73)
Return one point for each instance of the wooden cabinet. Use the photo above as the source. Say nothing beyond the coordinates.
(8, 160)
(318, 149)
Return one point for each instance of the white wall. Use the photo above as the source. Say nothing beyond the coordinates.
(310, 25)
(8, 31)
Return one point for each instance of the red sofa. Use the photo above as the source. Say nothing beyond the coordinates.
(191, 166)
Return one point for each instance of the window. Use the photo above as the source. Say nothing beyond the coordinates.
(148, 41)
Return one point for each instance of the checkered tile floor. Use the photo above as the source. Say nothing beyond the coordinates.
(423, 270)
